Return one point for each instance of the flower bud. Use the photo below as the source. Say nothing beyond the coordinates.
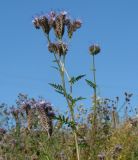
(94, 49)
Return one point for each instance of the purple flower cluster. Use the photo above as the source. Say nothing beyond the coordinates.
(58, 22)
(45, 114)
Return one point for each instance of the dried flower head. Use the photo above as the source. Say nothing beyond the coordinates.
(94, 49)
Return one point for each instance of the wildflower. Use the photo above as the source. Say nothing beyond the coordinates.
(59, 48)
(94, 49)
(42, 22)
(52, 17)
(46, 114)
(70, 28)
(36, 23)
(59, 26)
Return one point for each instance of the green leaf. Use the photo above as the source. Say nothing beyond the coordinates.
(60, 92)
(74, 100)
(58, 88)
(79, 99)
(90, 83)
(75, 79)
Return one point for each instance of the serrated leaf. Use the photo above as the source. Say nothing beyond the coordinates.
(90, 83)
(75, 79)
(57, 87)
(60, 92)
(79, 99)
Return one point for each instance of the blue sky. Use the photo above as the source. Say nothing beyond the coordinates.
(25, 61)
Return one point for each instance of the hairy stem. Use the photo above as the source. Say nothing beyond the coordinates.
(94, 99)
(63, 71)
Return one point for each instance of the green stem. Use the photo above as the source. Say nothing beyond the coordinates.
(95, 97)
(62, 74)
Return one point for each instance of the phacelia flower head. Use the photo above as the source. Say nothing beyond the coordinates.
(72, 26)
(94, 49)
(36, 23)
(59, 26)
(58, 48)
(45, 114)
(58, 22)
(42, 22)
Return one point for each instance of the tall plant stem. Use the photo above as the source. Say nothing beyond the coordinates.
(95, 97)
(62, 70)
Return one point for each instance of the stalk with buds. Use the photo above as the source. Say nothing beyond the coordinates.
(59, 23)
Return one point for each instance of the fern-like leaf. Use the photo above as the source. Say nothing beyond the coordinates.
(75, 79)
(90, 83)
(58, 88)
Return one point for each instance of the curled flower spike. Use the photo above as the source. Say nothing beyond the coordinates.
(42, 22)
(52, 17)
(46, 114)
(94, 49)
(72, 26)
(57, 22)
(59, 26)
(36, 23)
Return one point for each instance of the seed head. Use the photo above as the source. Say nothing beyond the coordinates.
(94, 49)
